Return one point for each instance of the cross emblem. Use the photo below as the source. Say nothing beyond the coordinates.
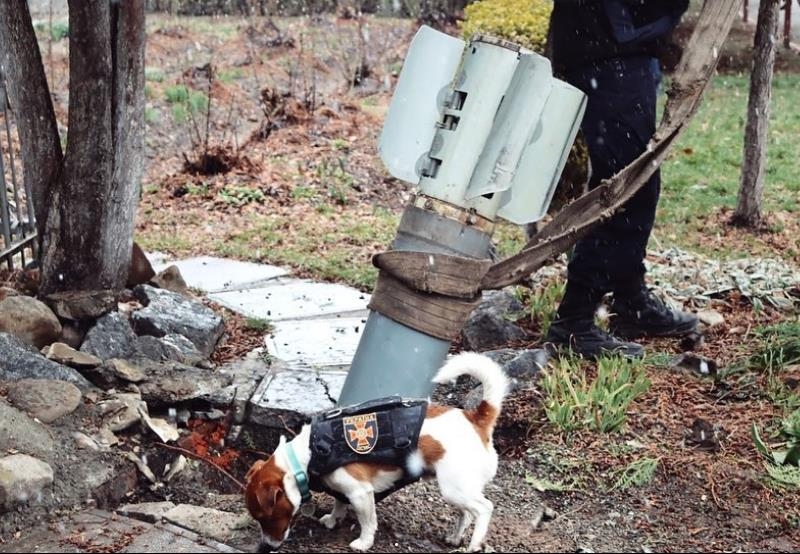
(360, 434)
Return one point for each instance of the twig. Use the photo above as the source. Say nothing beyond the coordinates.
(201, 458)
(286, 426)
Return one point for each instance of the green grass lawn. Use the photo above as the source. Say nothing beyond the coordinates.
(702, 172)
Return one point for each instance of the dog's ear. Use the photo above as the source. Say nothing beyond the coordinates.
(253, 469)
(267, 498)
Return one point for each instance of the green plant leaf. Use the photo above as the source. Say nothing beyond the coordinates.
(760, 446)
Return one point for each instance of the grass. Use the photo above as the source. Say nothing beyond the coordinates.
(573, 401)
(702, 172)
(780, 347)
(258, 324)
(541, 303)
(318, 245)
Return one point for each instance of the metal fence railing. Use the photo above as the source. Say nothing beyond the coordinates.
(17, 219)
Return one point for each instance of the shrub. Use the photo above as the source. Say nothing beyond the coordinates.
(522, 21)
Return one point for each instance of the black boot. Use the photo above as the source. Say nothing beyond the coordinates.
(574, 328)
(583, 337)
(642, 314)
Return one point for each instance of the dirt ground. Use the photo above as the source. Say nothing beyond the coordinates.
(698, 500)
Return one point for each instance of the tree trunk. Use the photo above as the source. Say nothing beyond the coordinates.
(31, 104)
(88, 232)
(748, 207)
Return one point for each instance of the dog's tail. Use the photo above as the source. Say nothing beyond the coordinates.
(490, 375)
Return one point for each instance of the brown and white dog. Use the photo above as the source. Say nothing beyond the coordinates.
(455, 445)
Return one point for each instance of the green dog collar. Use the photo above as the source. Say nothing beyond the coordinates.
(300, 476)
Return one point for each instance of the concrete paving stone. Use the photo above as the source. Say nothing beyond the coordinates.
(211, 274)
(208, 522)
(317, 342)
(293, 299)
(293, 396)
(99, 531)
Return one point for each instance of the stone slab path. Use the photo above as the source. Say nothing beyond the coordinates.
(100, 531)
(315, 331)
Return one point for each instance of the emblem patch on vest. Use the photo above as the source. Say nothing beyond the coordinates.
(361, 432)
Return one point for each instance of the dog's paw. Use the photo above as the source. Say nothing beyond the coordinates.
(329, 521)
(453, 540)
(361, 545)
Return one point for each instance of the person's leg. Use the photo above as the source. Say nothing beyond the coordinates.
(619, 122)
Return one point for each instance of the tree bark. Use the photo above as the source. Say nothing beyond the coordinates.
(88, 232)
(751, 186)
(31, 104)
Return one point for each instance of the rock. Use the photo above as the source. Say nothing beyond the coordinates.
(30, 320)
(172, 280)
(247, 373)
(170, 383)
(73, 333)
(44, 399)
(711, 318)
(83, 441)
(111, 337)
(168, 312)
(491, 324)
(82, 305)
(703, 435)
(104, 437)
(19, 360)
(521, 366)
(141, 271)
(188, 352)
(120, 411)
(698, 364)
(151, 512)
(19, 432)
(110, 484)
(5, 292)
(23, 479)
(65, 354)
(162, 429)
(172, 347)
(115, 373)
(208, 522)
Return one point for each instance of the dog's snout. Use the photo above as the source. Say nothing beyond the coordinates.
(264, 547)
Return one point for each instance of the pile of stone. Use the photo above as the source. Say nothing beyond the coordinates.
(78, 368)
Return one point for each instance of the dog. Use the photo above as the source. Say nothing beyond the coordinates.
(454, 445)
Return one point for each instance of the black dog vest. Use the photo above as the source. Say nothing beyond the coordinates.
(382, 431)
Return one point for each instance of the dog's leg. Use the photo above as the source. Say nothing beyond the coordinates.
(332, 519)
(481, 508)
(363, 502)
(457, 536)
